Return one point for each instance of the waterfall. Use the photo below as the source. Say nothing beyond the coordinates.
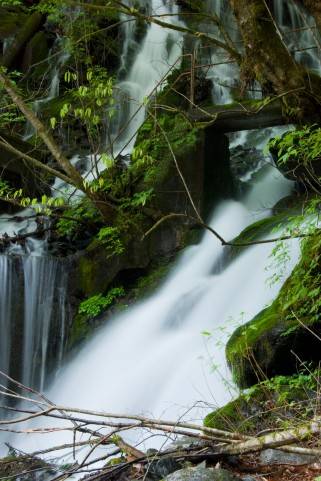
(57, 58)
(223, 72)
(41, 276)
(6, 289)
(299, 33)
(160, 50)
(33, 309)
(153, 358)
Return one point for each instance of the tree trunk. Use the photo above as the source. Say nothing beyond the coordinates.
(268, 61)
(24, 35)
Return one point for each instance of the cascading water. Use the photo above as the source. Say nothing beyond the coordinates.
(33, 311)
(222, 71)
(153, 357)
(6, 289)
(160, 50)
(299, 33)
(44, 279)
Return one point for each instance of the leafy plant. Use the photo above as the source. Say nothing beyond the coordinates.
(302, 145)
(94, 305)
(109, 237)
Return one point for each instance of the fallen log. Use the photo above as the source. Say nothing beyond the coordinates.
(238, 116)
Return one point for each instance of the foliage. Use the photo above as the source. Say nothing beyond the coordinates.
(287, 387)
(9, 113)
(74, 217)
(151, 158)
(94, 305)
(89, 101)
(109, 237)
(10, 3)
(302, 145)
(44, 205)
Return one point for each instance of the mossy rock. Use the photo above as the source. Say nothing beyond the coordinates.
(138, 284)
(25, 468)
(279, 338)
(275, 403)
(12, 18)
(36, 53)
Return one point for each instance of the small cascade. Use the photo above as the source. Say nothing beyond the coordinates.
(33, 310)
(6, 290)
(299, 33)
(42, 275)
(223, 73)
(58, 56)
(142, 68)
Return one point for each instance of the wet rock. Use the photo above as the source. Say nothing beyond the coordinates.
(161, 468)
(36, 51)
(274, 456)
(200, 473)
(245, 161)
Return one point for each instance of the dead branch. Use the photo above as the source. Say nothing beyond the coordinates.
(224, 242)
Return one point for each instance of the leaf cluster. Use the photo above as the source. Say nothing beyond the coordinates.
(94, 305)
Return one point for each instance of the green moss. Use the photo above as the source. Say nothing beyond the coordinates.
(271, 404)
(152, 160)
(11, 20)
(230, 417)
(148, 283)
(87, 274)
(79, 331)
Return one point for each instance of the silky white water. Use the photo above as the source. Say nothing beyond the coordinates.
(154, 358)
(159, 51)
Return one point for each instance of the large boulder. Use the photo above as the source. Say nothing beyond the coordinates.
(287, 333)
(283, 399)
(201, 473)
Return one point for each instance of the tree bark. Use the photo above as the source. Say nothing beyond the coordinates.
(268, 61)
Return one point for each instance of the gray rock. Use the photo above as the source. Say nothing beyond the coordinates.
(274, 456)
(249, 478)
(201, 473)
(160, 468)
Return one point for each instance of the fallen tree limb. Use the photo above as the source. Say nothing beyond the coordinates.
(102, 429)
(276, 439)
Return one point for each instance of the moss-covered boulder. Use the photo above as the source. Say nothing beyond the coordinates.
(272, 404)
(287, 333)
